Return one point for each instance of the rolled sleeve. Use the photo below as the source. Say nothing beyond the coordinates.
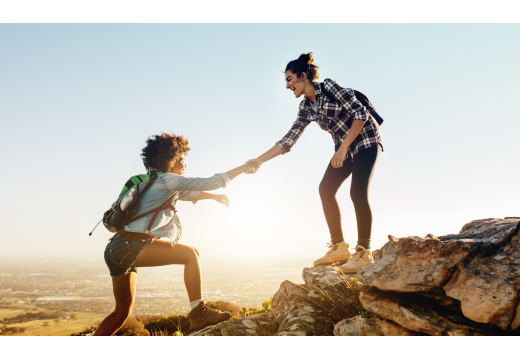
(192, 196)
(224, 177)
(284, 146)
(358, 112)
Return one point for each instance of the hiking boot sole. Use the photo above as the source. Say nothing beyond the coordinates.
(206, 323)
(340, 261)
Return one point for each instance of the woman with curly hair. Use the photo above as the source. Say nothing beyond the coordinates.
(138, 244)
(358, 143)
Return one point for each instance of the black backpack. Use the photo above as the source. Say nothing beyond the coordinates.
(362, 99)
(116, 219)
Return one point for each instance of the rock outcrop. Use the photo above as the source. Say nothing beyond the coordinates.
(310, 309)
(419, 314)
(479, 268)
(488, 287)
(461, 284)
(256, 325)
(369, 324)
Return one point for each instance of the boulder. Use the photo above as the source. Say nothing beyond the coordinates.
(333, 292)
(490, 230)
(420, 314)
(425, 264)
(369, 324)
(259, 324)
(296, 315)
(323, 276)
(488, 287)
(415, 264)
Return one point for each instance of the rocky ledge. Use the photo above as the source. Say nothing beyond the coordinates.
(461, 284)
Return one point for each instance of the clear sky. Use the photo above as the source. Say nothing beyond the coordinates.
(78, 101)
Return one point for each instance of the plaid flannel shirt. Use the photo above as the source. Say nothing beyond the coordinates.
(336, 118)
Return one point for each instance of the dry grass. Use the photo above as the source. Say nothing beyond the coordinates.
(270, 329)
(340, 301)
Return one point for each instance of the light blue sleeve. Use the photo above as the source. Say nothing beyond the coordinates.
(192, 196)
(181, 183)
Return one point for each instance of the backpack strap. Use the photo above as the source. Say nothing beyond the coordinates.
(327, 93)
(151, 180)
(362, 99)
(168, 204)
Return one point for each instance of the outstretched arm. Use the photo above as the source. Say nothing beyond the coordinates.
(237, 171)
(268, 155)
(221, 198)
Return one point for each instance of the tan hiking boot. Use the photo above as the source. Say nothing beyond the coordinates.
(361, 258)
(338, 253)
(203, 316)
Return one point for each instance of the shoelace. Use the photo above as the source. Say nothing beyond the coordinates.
(206, 308)
(332, 247)
(359, 254)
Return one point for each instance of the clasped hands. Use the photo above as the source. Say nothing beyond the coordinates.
(254, 166)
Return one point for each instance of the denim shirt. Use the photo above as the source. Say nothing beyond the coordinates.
(167, 224)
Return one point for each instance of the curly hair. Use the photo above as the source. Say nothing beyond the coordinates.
(162, 151)
(304, 64)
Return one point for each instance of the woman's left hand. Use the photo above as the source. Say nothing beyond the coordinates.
(223, 199)
(338, 158)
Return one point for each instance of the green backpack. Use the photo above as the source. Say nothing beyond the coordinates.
(123, 210)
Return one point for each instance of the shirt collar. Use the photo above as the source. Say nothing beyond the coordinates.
(317, 89)
(317, 94)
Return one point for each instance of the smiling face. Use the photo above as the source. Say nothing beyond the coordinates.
(295, 84)
(179, 166)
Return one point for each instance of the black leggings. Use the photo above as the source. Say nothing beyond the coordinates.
(362, 169)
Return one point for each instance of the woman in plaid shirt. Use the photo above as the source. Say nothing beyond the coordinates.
(357, 142)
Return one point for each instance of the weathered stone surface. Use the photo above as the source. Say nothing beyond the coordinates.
(377, 254)
(333, 292)
(417, 264)
(244, 326)
(488, 287)
(420, 314)
(324, 276)
(288, 292)
(369, 324)
(490, 230)
(296, 315)
(304, 321)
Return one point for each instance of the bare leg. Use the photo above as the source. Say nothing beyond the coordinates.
(124, 292)
(161, 252)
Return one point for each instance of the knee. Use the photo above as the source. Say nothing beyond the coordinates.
(358, 197)
(193, 254)
(325, 191)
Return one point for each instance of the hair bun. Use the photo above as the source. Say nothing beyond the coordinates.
(306, 58)
(304, 64)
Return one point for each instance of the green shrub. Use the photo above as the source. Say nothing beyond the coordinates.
(266, 306)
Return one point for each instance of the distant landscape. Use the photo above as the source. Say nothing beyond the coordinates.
(59, 299)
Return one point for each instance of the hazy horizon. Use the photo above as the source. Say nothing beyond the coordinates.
(77, 102)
